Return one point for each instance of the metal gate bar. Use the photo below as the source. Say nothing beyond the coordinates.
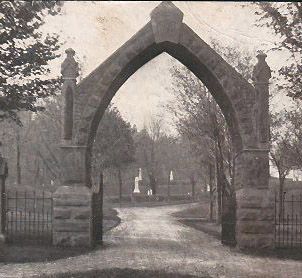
(29, 217)
(288, 221)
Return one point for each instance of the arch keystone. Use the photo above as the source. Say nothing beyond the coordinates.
(166, 21)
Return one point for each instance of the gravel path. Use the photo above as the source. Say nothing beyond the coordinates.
(150, 238)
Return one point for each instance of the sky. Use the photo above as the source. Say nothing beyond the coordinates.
(96, 29)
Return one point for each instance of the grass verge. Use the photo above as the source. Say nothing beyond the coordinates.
(125, 273)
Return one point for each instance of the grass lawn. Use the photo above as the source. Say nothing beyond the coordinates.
(124, 273)
(200, 211)
(150, 203)
(211, 228)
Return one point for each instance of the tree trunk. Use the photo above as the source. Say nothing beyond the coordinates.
(37, 172)
(216, 134)
(281, 201)
(18, 164)
(152, 183)
(228, 219)
(219, 188)
(219, 197)
(120, 181)
(3, 205)
(169, 182)
(221, 179)
(193, 186)
(211, 191)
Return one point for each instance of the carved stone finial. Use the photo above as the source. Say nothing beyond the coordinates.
(261, 72)
(166, 20)
(70, 68)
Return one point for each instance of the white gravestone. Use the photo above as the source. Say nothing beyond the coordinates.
(136, 188)
(171, 176)
(140, 177)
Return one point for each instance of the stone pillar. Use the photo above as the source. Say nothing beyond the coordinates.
(261, 76)
(255, 202)
(72, 201)
(70, 71)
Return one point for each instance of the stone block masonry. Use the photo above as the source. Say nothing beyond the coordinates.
(244, 106)
(72, 216)
(255, 218)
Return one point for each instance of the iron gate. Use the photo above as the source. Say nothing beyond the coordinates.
(288, 220)
(97, 213)
(28, 216)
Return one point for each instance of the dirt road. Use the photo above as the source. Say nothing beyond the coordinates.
(150, 238)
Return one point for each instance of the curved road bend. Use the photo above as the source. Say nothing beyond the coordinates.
(150, 238)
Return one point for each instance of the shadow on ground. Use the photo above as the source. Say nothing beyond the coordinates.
(124, 273)
(30, 251)
(204, 225)
(214, 230)
(283, 254)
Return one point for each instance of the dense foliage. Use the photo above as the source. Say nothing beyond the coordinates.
(24, 56)
(114, 145)
(285, 19)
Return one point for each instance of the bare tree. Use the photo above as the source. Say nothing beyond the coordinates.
(283, 150)
(200, 120)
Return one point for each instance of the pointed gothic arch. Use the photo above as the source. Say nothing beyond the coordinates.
(241, 104)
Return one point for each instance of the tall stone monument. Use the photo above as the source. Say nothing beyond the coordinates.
(72, 200)
(69, 71)
(255, 205)
(261, 76)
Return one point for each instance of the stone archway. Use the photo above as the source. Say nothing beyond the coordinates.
(244, 106)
